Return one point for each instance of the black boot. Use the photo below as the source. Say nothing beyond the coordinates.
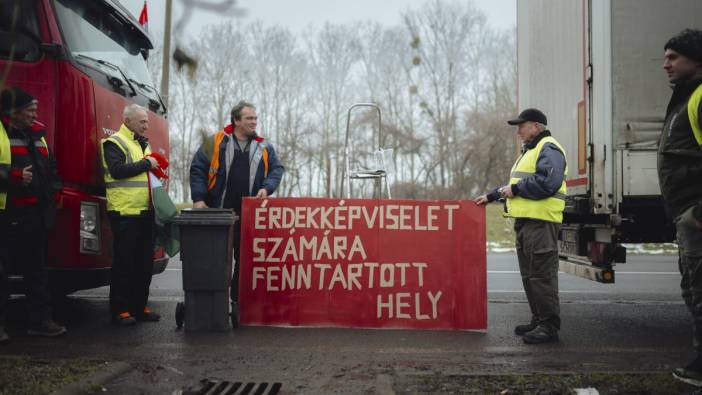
(46, 328)
(521, 330)
(541, 334)
(691, 374)
(4, 338)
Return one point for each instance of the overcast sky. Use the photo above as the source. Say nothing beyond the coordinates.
(298, 14)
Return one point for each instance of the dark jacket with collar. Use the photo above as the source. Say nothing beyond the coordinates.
(200, 167)
(31, 207)
(679, 155)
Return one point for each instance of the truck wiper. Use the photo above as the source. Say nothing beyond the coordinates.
(152, 89)
(114, 67)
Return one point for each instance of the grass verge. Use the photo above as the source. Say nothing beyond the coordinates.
(500, 230)
(23, 375)
(605, 383)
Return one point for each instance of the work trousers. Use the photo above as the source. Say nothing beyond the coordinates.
(4, 284)
(537, 252)
(4, 287)
(25, 253)
(132, 266)
(690, 260)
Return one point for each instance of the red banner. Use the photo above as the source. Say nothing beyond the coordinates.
(363, 263)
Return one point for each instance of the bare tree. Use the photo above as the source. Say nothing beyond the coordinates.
(448, 35)
(444, 80)
(279, 83)
(333, 55)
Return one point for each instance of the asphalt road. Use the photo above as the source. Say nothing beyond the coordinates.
(638, 324)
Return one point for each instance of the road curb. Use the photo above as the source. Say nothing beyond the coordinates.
(104, 376)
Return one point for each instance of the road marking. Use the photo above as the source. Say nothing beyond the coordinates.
(175, 298)
(659, 273)
(517, 272)
(577, 291)
(521, 291)
(151, 298)
(616, 272)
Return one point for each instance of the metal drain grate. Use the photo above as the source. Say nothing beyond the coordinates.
(216, 387)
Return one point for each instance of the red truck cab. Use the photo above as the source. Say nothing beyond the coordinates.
(84, 60)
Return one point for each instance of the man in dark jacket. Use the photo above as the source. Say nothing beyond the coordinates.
(5, 159)
(680, 175)
(32, 189)
(233, 164)
(535, 198)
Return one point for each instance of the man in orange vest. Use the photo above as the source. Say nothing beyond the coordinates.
(233, 164)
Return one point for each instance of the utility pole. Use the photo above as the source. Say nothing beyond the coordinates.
(166, 53)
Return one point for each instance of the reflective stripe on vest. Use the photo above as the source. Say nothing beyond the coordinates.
(549, 209)
(693, 106)
(21, 147)
(214, 161)
(128, 196)
(5, 160)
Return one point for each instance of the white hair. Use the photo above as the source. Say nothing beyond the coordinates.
(131, 110)
(540, 126)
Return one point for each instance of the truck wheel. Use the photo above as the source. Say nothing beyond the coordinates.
(180, 314)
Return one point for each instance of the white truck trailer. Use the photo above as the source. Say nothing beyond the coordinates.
(595, 68)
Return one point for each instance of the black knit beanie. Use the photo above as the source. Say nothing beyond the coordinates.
(687, 43)
(14, 99)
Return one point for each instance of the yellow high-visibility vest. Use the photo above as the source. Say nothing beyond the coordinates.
(128, 196)
(5, 160)
(549, 209)
(692, 107)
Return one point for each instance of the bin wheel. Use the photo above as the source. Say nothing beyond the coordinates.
(180, 314)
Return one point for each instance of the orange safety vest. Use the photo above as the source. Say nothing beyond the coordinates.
(214, 162)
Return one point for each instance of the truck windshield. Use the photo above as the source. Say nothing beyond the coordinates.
(91, 30)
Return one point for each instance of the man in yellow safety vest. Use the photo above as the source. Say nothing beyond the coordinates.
(535, 198)
(127, 164)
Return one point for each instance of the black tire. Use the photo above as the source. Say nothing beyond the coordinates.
(180, 314)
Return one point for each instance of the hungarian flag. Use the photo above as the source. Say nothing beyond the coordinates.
(144, 18)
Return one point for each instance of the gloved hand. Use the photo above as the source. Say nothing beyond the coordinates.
(162, 165)
(158, 172)
(162, 161)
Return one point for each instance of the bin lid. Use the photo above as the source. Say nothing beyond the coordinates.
(206, 216)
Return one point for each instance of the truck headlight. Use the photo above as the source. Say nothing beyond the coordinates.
(89, 228)
(87, 218)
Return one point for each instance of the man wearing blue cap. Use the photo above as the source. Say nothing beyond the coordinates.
(535, 198)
